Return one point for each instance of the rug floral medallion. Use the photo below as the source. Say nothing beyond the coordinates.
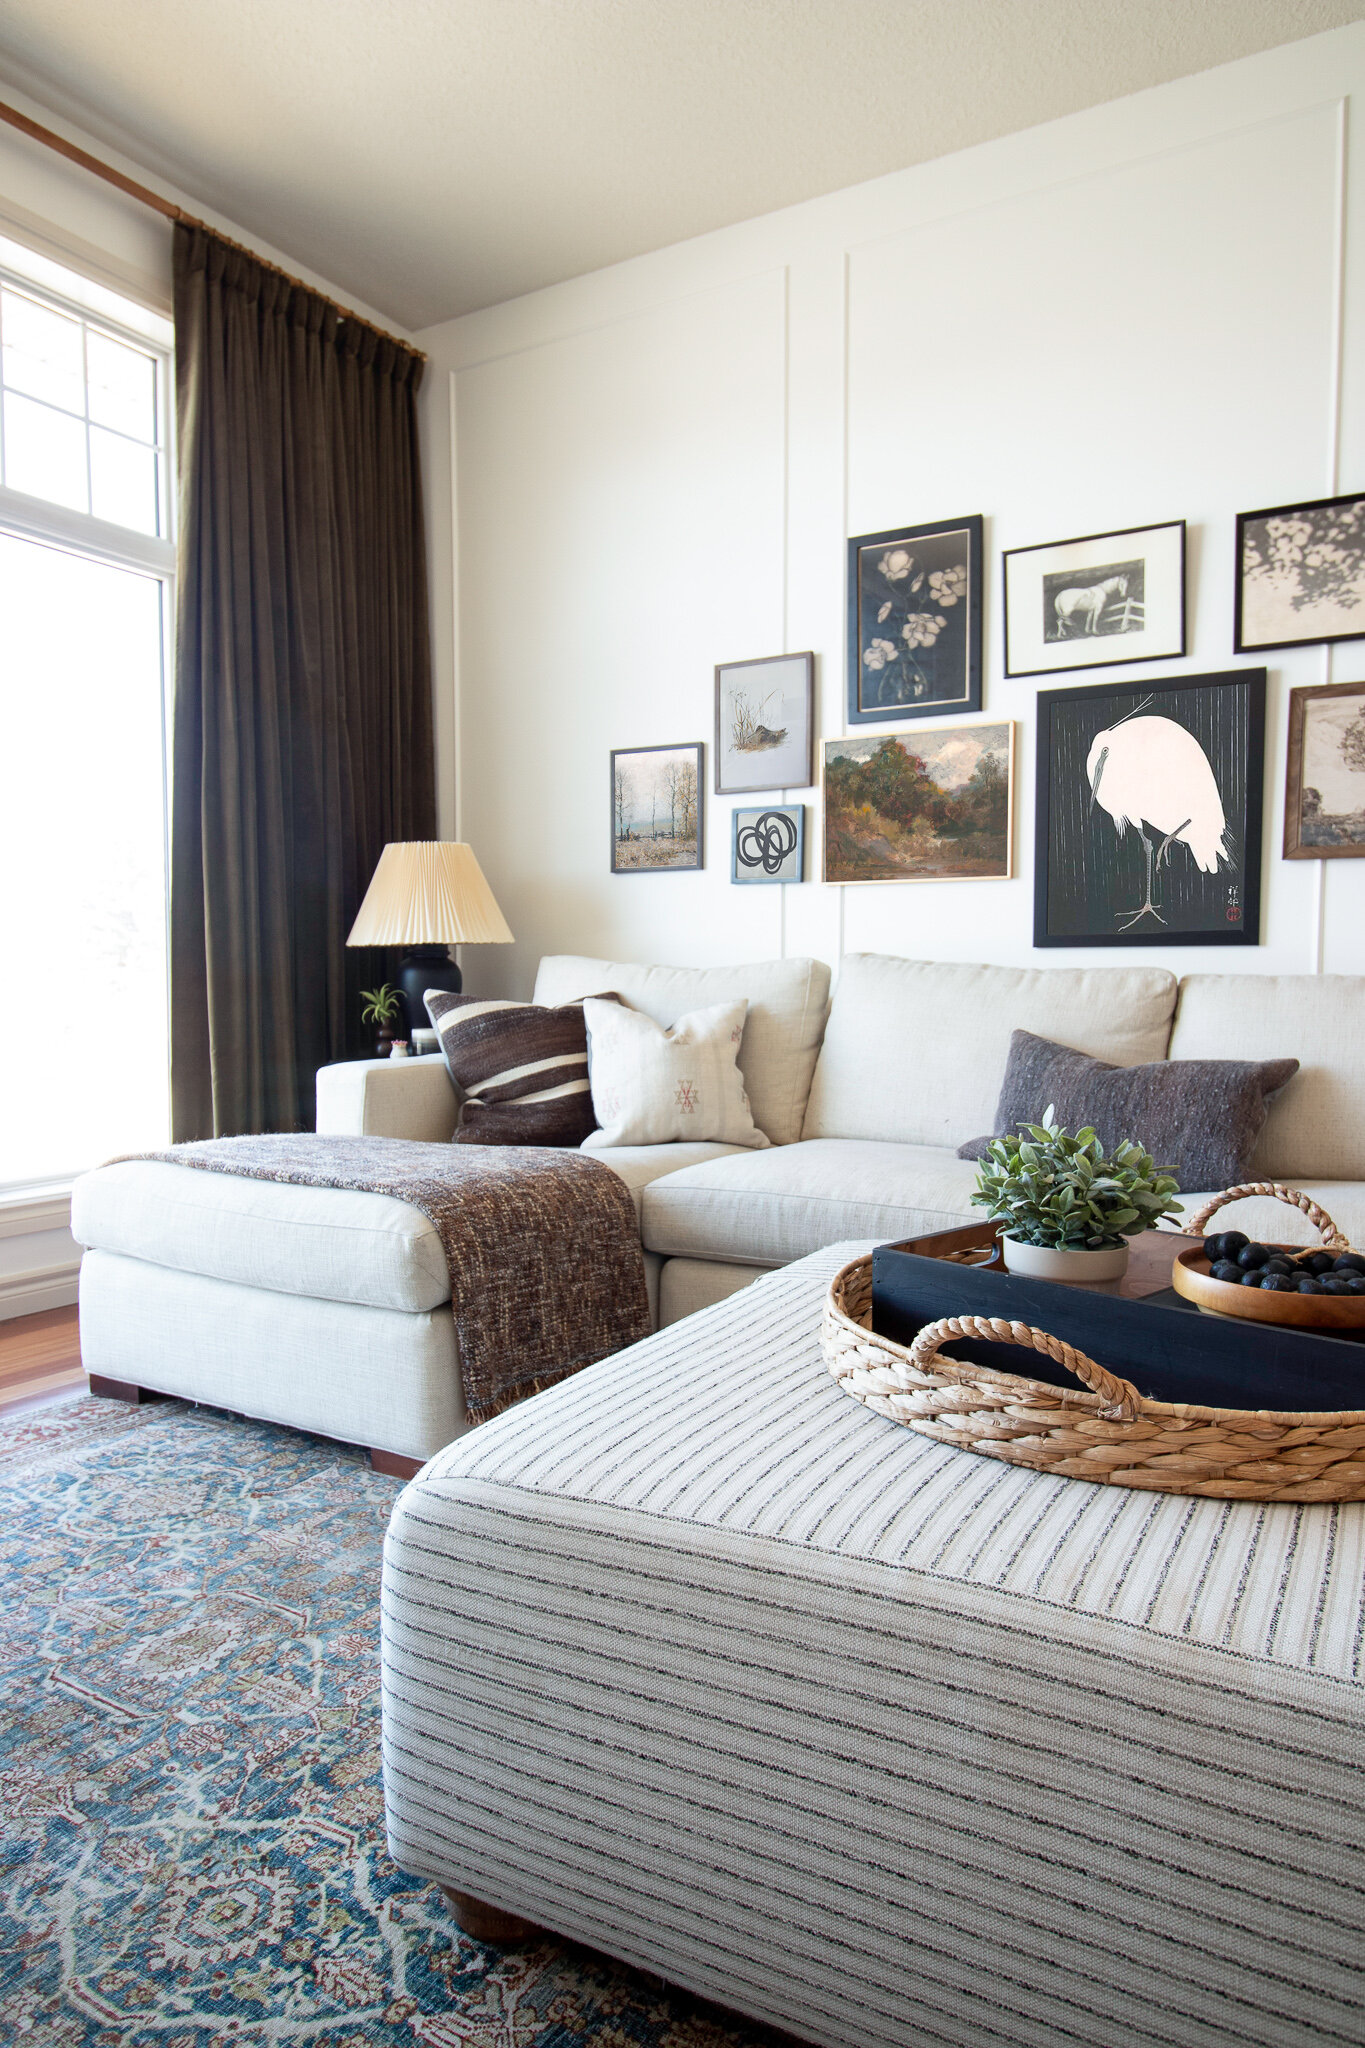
(191, 1806)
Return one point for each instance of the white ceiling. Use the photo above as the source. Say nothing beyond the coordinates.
(434, 156)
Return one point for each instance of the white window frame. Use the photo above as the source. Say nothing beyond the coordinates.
(36, 1205)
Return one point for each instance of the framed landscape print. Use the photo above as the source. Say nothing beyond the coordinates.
(1149, 813)
(768, 845)
(914, 621)
(765, 724)
(1324, 799)
(1093, 603)
(1300, 575)
(934, 805)
(656, 795)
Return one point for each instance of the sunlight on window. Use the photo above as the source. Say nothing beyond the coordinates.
(82, 848)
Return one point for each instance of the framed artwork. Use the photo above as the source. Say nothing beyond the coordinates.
(933, 805)
(1149, 813)
(656, 796)
(1096, 602)
(765, 724)
(768, 845)
(1324, 796)
(1300, 575)
(914, 621)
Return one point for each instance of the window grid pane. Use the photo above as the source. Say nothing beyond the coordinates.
(65, 379)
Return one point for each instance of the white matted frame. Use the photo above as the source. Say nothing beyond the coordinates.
(1096, 602)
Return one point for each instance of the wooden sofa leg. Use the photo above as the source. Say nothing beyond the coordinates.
(490, 1923)
(394, 1464)
(121, 1390)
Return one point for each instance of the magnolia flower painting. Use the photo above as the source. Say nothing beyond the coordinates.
(914, 625)
(1301, 574)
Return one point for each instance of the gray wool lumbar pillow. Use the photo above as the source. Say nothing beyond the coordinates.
(1199, 1119)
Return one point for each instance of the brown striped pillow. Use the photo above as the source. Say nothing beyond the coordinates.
(522, 1070)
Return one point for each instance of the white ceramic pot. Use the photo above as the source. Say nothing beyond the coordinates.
(1051, 1262)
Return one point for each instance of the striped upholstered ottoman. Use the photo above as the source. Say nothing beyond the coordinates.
(699, 1661)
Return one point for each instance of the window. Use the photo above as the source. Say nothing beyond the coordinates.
(85, 591)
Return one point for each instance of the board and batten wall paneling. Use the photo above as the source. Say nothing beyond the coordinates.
(1149, 311)
(621, 502)
(1151, 342)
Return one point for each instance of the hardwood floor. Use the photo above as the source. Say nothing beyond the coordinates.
(40, 1359)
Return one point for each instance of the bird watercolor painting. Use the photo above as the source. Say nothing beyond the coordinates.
(1151, 774)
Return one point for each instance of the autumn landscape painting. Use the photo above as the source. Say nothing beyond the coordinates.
(928, 805)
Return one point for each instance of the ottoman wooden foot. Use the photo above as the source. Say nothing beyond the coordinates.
(121, 1390)
(394, 1464)
(490, 1923)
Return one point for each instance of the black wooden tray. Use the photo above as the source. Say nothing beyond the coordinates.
(1138, 1326)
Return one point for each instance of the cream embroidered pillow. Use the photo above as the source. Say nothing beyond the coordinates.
(651, 1086)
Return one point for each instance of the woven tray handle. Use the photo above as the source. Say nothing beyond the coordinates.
(1332, 1239)
(1121, 1398)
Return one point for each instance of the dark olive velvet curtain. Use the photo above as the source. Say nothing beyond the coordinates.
(302, 716)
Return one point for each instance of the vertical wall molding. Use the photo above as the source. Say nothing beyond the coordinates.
(1334, 409)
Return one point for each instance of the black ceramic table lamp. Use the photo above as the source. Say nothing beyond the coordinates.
(426, 895)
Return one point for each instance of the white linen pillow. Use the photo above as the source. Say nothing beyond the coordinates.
(653, 1087)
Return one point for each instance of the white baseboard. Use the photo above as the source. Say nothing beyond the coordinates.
(28, 1294)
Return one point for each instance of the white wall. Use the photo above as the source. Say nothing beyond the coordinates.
(1146, 312)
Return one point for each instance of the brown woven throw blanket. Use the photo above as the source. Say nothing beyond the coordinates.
(546, 1271)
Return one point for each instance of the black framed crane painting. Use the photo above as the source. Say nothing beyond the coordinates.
(1149, 809)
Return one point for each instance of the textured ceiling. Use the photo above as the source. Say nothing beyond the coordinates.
(433, 156)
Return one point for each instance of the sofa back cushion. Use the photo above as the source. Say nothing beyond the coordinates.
(788, 1002)
(915, 1050)
(1316, 1127)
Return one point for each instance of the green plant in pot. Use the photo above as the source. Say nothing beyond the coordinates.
(381, 1007)
(1065, 1207)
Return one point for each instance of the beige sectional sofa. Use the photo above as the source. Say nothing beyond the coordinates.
(866, 1107)
(330, 1310)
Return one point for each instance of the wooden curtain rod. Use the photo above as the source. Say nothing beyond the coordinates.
(170, 211)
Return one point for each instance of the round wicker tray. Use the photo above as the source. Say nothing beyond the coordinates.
(1110, 1433)
(1191, 1277)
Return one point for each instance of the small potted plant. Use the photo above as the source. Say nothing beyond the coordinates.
(380, 1007)
(1066, 1209)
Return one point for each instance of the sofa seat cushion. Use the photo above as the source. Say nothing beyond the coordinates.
(788, 1001)
(641, 1165)
(1274, 1222)
(329, 1242)
(915, 1049)
(1316, 1127)
(767, 1208)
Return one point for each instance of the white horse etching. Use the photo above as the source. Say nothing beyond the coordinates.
(1087, 604)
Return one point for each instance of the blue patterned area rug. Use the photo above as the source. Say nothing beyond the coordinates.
(190, 1800)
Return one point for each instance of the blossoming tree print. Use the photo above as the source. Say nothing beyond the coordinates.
(1301, 574)
(914, 621)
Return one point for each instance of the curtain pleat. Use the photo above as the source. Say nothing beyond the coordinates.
(302, 737)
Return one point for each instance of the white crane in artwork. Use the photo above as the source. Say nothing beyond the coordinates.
(1153, 772)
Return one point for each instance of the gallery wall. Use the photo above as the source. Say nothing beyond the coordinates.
(1148, 312)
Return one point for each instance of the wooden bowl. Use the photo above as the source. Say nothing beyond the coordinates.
(1190, 1276)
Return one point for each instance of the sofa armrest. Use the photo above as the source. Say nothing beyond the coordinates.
(412, 1098)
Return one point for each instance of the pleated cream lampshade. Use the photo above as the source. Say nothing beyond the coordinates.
(429, 892)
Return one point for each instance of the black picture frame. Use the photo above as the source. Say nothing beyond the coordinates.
(785, 752)
(1140, 618)
(1258, 618)
(943, 582)
(1104, 876)
(626, 833)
